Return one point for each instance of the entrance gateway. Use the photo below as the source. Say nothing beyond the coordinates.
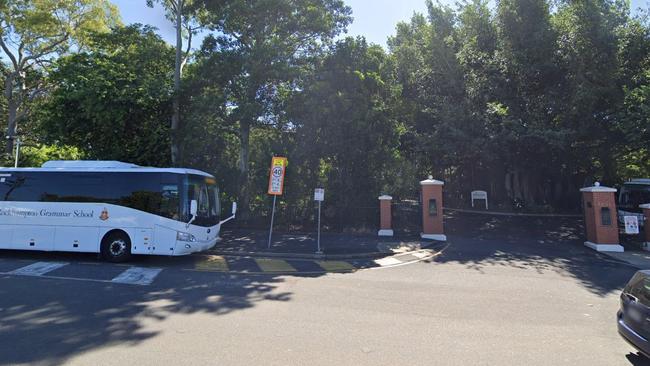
(431, 214)
(109, 207)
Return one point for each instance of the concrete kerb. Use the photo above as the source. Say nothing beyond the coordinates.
(616, 257)
(367, 255)
(437, 252)
(513, 214)
(294, 255)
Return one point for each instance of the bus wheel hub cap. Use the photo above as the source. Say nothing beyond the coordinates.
(117, 247)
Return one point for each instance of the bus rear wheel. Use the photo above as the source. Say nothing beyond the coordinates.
(116, 247)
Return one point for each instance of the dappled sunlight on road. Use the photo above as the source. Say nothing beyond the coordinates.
(538, 245)
(37, 316)
(593, 271)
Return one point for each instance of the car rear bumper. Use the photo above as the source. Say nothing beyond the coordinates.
(635, 339)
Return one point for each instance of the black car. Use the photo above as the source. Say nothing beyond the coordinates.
(634, 316)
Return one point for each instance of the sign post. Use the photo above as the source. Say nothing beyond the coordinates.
(17, 151)
(276, 185)
(319, 195)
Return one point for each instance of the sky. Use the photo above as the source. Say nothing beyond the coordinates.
(374, 19)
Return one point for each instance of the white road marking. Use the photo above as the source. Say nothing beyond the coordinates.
(38, 268)
(137, 276)
(388, 261)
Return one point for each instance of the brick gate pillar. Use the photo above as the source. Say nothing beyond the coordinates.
(432, 209)
(601, 222)
(385, 216)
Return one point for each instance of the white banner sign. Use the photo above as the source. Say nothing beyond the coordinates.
(631, 224)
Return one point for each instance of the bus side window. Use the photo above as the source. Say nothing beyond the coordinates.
(169, 203)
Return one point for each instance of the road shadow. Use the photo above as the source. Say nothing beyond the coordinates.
(535, 244)
(637, 359)
(256, 241)
(48, 321)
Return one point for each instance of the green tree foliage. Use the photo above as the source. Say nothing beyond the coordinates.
(523, 102)
(34, 31)
(266, 45)
(633, 122)
(526, 99)
(205, 116)
(183, 14)
(34, 156)
(347, 133)
(528, 137)
(112, 101)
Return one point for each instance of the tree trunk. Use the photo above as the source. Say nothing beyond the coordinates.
(176, 114)
(244, 151)
(12, 112)
(12, 126)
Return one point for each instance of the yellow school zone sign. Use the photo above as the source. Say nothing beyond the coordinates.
(276, 176)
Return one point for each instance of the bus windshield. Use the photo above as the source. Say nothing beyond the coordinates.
(204, 190)
(633, 195)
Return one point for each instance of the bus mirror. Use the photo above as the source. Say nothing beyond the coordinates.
(234, 208)
(193, 207)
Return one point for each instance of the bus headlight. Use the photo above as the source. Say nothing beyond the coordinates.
(181, 236)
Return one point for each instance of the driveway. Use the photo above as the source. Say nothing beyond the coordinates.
(483, 301)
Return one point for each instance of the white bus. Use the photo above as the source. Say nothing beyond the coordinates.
(633, 193)
(108, 207)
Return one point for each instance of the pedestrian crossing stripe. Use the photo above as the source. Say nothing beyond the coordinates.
(336, 266)
(137, 276)
(274, 265)
(388, 261)
(130, 276)
(420, 255)
(214, 263)
(38, 268)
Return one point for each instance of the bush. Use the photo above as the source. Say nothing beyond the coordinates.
(35, 156)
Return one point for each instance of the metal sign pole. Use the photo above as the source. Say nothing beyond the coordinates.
(17, 151)
(318, 240)
(272, 217)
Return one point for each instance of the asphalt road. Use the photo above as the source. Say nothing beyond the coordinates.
(482, 302)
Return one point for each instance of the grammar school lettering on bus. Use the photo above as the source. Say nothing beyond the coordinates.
(46, 213)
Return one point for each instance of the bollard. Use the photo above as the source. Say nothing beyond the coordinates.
(385, 219)
(601, 222)
(432, 210)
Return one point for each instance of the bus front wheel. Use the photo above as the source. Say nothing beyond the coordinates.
(116, 247)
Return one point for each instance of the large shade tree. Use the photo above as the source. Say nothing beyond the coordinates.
(347, 129)
(32, 32)
(267, 44)
(111, 101)
(183, 14)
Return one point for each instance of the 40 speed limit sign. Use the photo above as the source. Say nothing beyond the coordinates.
(276, 178)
